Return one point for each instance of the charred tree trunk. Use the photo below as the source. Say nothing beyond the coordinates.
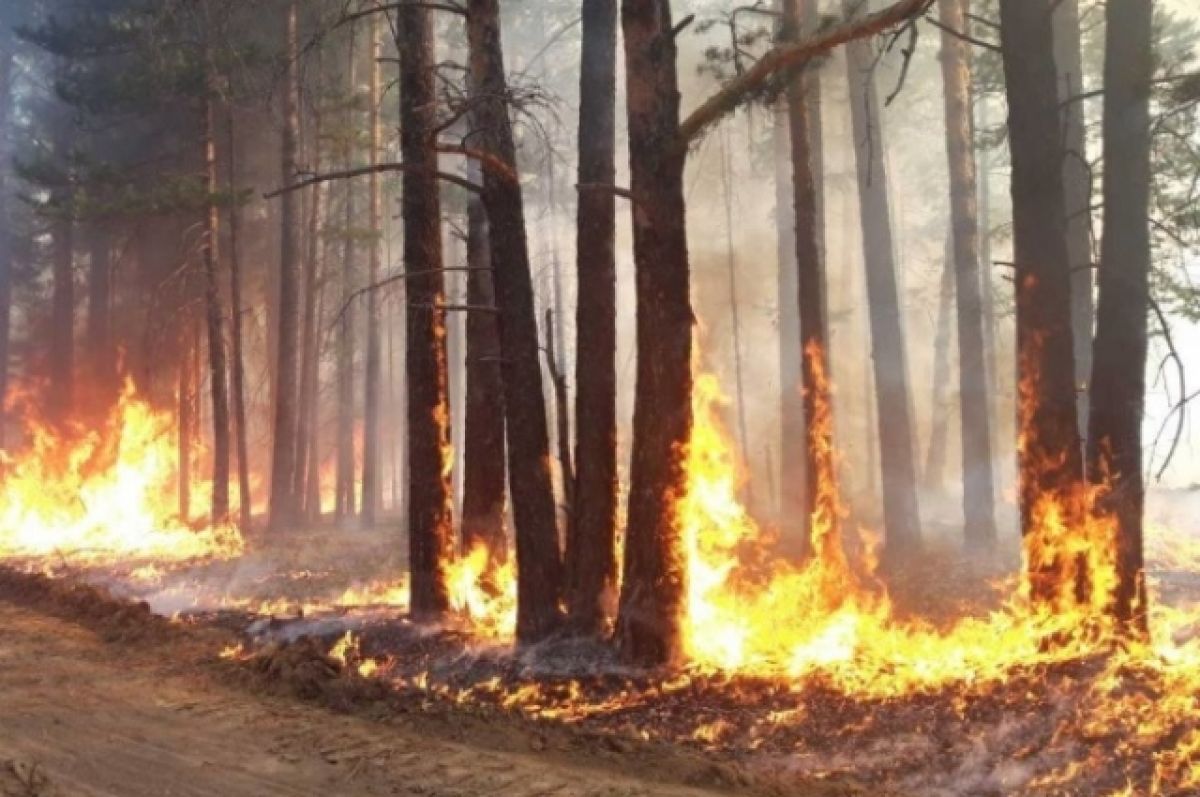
(102, 354)
(283, 460)
(1118, 378)
(653, 587)
(346, 470)
(371, 493)
(483, 464)
(939, 421)
(806, 157)
(430, 526)
(1050, 461)
(896, 452)
(218, 386)
(1077, 188)
(591, 563)
(978, 483)
(539, 561)
(237, 371)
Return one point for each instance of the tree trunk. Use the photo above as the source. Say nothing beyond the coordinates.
(430, 529)
(939, 421)
(216, 333)
(1050, 461)
(562, 415)
(978, 482)
(591, 563)
(735, 319)
(238, 372)
(6, 233)
(310, 358)
(807, 169)
(653, 586)
(102, 354)
(344, 505)
(901, 516)
(187, 411)
(483, 462)
(283, 460)
(1118, 379)
(792, 448)
(539, 562)
(371, 493)
(62, 332)
(1077, 188)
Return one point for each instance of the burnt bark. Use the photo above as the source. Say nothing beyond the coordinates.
(539, 560)
(213, 315)
(1049, 457)
(283, 504)
(1118, 377)
(653, 587)
(901, 516)
(978, 482)
(429, 489)
(373, 368)
(484, 493)
(591, 565)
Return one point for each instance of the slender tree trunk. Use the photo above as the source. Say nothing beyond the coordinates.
(371, 493)
(283, 461)
(1050, 461)
(591, 538)
(1118, 379)
(238, 373)
(901, 515)
(62, 333)
(483, 464)
(102, 354)
(430, 529)
(218, 385)
(939, 421)
(562, 415)
(735, 316)
(539, 562)
(312, 441)
(653, 587)
(309, 343)
(792, 448)
(987, 290)
(1077, 187)
(344, 506)
(978, 482)
(807, 171)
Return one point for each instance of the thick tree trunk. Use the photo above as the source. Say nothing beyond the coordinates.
(807, 169)
(1118, 378)
(218, 385)
(346, 469)
(901, 515)
(1077, 188)
(430, 529)
(591, 551)
(283, 504)
(978, 483)
(102, 354)
(653, 586)
(539, 562)
(238, 372)
(371, 493)
(483, 462)
(934, 477)
(1050, 461)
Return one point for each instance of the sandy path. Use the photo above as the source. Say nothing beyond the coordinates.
(93, 724)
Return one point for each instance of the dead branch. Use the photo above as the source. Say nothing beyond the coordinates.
(1178, 408)
(785, 56)
(378, 168)
(494, 165)
(958, 34)
(346, 19)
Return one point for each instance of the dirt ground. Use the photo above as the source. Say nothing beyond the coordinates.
(82, 717)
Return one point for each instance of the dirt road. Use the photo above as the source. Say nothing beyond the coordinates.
(78, 718)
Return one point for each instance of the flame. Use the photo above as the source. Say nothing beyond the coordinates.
(484, 592)
(102, 495)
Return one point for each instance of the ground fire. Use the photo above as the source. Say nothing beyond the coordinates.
(303, 496)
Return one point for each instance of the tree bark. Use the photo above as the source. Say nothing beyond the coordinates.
(539, 561)
(806, 157)
(978, 481)
(591, 563)
(484, 492)
(430, 526)
(1049, 457)
(346, 469)
(653, 587)
(1118, 378)
(218, 385)
(1077, 188)
(310, 347)
(238, 372)
(371, 493)
(896, 452)
(283, 507)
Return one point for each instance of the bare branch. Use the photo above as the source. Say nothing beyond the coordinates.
(378, 168)
(493, 164)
